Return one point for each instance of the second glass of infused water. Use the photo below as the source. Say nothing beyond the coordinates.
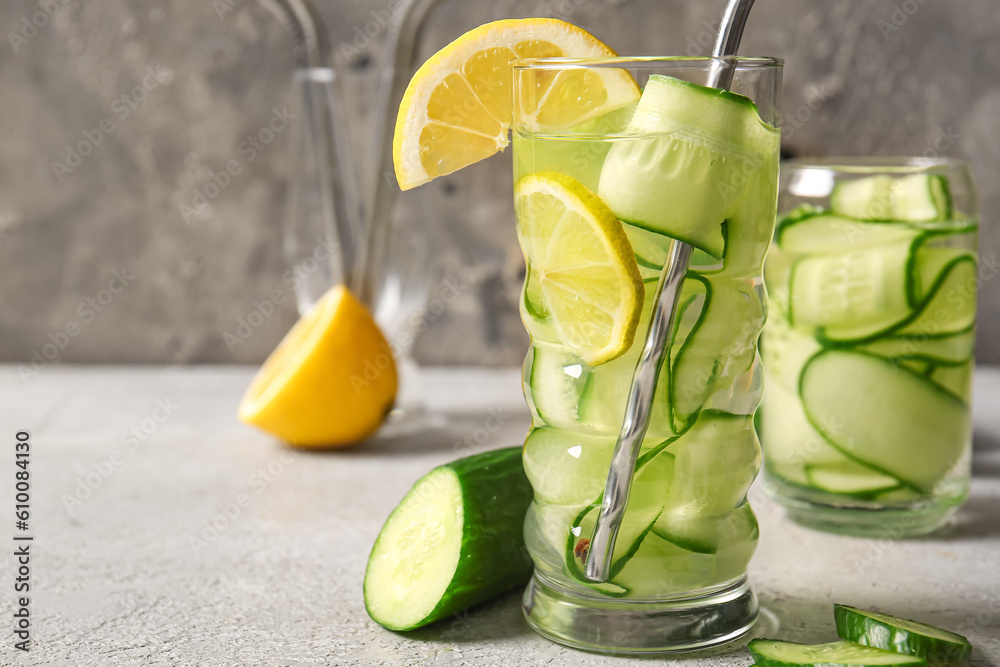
(868, 349)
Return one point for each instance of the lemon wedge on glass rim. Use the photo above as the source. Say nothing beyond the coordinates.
(457, 108)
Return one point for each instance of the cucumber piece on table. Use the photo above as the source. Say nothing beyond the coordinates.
(885, 416)
(776, 653)
(686, 169)
(910, 198)
(827, 233)
(871, 628)
(454, 541)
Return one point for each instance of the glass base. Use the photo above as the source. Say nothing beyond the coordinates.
(633, 626)
(834, 514)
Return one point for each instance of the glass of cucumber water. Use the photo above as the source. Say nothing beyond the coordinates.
(868, 349)
(658, 158)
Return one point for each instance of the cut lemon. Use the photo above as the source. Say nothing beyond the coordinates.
(330, 382)
(457, 108)
(582, 276)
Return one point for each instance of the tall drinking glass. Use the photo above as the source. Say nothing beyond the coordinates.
(680, 162)
(868, 353)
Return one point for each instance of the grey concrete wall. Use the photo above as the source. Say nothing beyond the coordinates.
(862, 77)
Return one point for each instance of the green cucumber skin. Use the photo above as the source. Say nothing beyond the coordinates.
(856, 626)
(759, 648)
(898, 326)
(495, 497)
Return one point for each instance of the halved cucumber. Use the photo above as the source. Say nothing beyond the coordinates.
(776, 653)
(850, 478)
(852, 296)
(885, 416)
(870, 628)
(911, 198)
(454, 541)
(651, 250)
(686, 169)
(826, 233)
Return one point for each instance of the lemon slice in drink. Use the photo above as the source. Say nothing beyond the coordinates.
(582, 275)
(457, 108)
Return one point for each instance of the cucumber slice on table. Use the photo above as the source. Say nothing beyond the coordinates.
(885, 416)
(686, 169)
(826, 233)
(776, 653)
(454, 541)
(870, 628)
(911, 198)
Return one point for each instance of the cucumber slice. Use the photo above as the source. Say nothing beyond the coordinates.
(870, 628)
(955, 379)
(850, 478)
(454, 541)
(554, 382)
(950, 305)
(885, 416)
(647, 497)
(852, 296)
(651, 251)
(953, 350)
(714, 464)
(911, 198)
(705, 534)
(686, 169)
(776, 653)
(566, 468)
(930, 265)
(712, 357)
(790, 441)
(826, 233)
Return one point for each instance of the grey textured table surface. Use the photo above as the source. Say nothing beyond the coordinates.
(202, 541)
